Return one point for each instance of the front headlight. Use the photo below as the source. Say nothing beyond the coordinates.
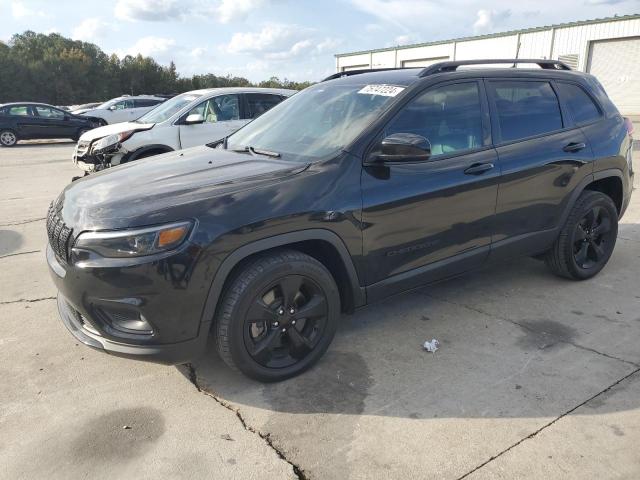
(134, 242)
(111, 140)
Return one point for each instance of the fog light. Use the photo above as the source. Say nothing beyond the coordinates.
(126, 321)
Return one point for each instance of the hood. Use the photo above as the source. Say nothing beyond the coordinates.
(145, 191)
(81, 111)
(113, 129)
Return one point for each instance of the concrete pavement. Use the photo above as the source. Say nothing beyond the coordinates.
(536, 377)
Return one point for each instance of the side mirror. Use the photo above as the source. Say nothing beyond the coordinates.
(403, 147)
(194, 119)
(112, 108)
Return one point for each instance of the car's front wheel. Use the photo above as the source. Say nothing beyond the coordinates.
(278, 315)
(8, 138)
(587, 239)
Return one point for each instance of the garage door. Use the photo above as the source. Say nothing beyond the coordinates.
(616, 63)
(423, 62)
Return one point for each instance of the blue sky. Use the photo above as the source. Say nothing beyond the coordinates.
(285, 38)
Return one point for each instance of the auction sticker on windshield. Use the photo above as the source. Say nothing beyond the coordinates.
(384, 90)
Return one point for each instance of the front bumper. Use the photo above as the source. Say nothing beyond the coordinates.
(168, 354)
(92, 300)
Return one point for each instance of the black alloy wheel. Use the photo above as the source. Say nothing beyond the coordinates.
(592, 237)
(277, 316)
(286, 321)
(587, 239)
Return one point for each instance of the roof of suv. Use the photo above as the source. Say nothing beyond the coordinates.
(408, 76)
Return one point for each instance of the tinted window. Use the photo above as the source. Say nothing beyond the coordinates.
(47, 112)
(526, 109)
(146, 102)
(258, 103)
(21, 110)
(450, 117)
(581, 106)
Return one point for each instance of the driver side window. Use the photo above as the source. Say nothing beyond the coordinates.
(123, 105)
(450, 117)
(218, 109)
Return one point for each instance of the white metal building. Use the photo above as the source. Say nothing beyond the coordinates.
(609, 48)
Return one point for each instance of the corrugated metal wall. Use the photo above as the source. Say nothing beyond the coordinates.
(549, 43)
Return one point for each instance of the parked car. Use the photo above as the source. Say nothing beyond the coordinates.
(28, 120)
(193, 118)
(121, 109)
(362, 186)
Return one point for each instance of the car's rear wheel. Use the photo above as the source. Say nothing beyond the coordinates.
(8, 138)
(587, 239)
(278, 316)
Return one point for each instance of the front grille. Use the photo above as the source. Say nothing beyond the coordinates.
(59, 234)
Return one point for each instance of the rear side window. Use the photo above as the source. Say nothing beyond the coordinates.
(258, 103)
(582, 108)
(21, 110)
(146, 102)
(525, 109)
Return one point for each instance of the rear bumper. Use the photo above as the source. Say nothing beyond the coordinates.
(168, 354)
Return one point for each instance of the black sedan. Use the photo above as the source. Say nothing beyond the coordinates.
(27, 120)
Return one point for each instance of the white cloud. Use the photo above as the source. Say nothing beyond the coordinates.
(272, 39)
(280, 42)
(20, 10)
(90, 30)
(237, 10)
(150, 10)
(487, 20)
(149, 47)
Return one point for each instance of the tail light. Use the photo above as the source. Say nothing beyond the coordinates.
(629, 124)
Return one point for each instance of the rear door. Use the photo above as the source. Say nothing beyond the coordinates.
(22, 117)
(221, 118)
(543, 156)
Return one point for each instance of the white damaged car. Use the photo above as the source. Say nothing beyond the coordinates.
(187, 120)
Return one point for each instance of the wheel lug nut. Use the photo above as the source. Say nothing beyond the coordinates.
(292, 310)
(281, 311)
(284, 329)
(276, 324)
(293, 322)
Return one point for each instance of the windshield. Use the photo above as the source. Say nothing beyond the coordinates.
(167, 109)
(107, 104)
(320, 120)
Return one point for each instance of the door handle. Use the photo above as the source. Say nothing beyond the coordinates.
(478, 168)
(574, 147)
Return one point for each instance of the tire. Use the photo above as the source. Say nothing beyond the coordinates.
(587, 238)
(8, 138)
(81, 132)
(259, 334)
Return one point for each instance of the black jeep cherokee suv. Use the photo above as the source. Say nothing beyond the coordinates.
(364, 185)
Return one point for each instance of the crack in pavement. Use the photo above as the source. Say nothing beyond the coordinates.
(27, 300)
(528, 328)
(568, 412)
(19, 253)
(300, 474)
(23, 222)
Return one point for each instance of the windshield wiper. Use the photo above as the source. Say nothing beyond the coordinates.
(257, 151)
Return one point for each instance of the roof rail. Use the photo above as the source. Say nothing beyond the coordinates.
(348, 73)
(453, 65)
